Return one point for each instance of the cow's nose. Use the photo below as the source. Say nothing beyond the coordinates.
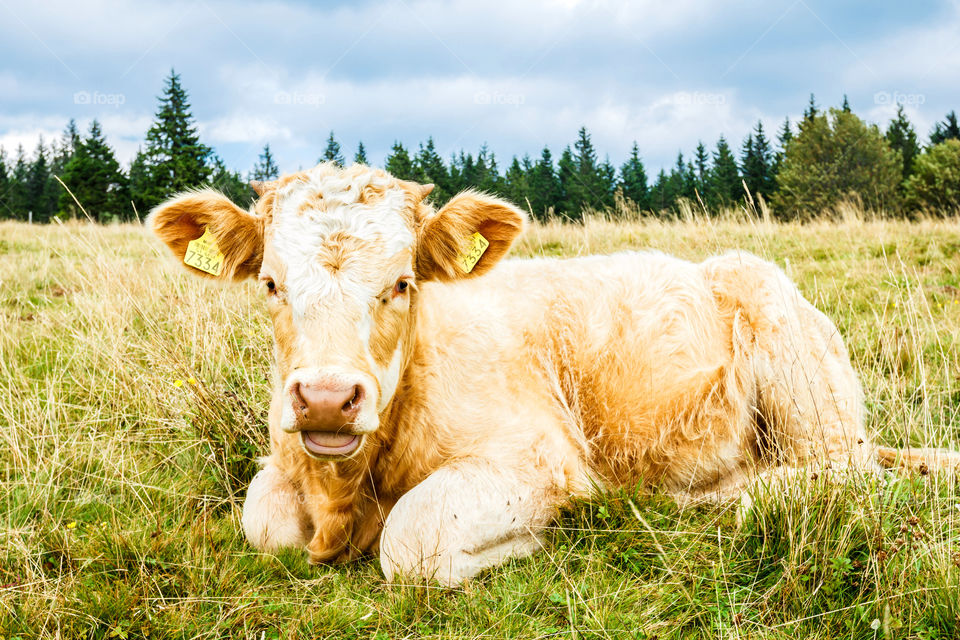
(327, 408)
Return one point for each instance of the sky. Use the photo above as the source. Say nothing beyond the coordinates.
(512, 74)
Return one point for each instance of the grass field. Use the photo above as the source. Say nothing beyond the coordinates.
(133, 405)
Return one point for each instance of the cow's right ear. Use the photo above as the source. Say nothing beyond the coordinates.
(238, 234)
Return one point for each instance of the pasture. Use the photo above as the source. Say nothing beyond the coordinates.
(133, 402)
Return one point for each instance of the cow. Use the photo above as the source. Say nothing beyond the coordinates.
(438, 405)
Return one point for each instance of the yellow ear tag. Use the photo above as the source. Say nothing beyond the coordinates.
(469, 258)
(204, 254)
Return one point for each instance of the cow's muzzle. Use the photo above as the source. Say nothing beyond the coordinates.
(328, 413)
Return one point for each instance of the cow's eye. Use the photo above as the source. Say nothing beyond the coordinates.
(271, 287)
(401, 286)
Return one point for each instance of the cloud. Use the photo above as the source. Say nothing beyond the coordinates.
(514, 75)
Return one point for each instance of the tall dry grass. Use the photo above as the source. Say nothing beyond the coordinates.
(133, 404)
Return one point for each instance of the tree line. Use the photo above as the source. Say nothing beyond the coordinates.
(827, 157)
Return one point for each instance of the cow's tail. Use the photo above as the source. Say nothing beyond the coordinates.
(922, 460)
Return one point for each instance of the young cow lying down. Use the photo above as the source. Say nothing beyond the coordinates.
(443, 418)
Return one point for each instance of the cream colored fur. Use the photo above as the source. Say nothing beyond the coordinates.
(503, 396)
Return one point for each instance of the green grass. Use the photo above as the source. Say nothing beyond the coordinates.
(133, 405)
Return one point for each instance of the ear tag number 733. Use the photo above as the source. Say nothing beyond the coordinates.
(475, 248)
(203, 254)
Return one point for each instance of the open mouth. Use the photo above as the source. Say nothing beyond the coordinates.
(329, 443)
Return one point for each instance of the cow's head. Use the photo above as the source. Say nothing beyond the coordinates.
(340, 254)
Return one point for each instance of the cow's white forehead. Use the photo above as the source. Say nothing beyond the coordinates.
(303, 225)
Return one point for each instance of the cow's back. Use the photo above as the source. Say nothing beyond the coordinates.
(629, 353)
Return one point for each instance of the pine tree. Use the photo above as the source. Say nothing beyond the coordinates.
(633, 179)
(332, 152)
(399, 164)
(903, 138)
(266, 169)
(544, 186)
(725, 186)
(174, 158)
(845, 107)
(361, 156)
(94, 177)
(949, 129)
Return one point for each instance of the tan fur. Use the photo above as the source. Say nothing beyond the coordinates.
(239, 234)
(541, 380)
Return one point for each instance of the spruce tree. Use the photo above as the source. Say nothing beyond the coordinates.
(231, 184)
(266, 169)
(399, 164)
(659, 196)
(544, 186)
(487, 172)
(67, 146)
(949, 129)
(725, 186)
(701, 163)
(903, 138)
(569, 203)
(810, 112)
(5, 185)
(18, 199)
(633, 180)
(174, 159)
(589, 188)
(783, 140)
(332, 152)
(515, 182)
(430, 169)
(40, 193)
(360, 157)
(96, 180)
(757, 163)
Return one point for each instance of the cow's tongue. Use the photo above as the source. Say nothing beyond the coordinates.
(329, 443)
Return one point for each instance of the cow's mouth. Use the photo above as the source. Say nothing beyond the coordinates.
(329, 443)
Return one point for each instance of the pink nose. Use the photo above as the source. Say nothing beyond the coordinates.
(327, 408)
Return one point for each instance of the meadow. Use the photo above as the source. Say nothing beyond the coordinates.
(133, 402)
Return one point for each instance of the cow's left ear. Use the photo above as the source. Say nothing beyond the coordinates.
(467, 237)
(228, 230)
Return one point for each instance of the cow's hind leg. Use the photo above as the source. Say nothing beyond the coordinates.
(463, 519)
(273, 515)
(808, 395)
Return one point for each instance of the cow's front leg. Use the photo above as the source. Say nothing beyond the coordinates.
(273, 515)
(465, 518)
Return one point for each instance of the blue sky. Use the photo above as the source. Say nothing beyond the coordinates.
(513, 74)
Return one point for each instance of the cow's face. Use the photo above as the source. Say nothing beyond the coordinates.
(339, 254)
